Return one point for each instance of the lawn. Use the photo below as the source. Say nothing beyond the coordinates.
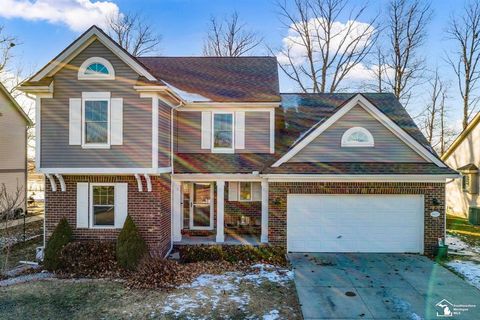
(461, 226)
(232, 295)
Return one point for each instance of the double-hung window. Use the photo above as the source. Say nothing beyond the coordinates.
(222, 133)
(102, 205)
(245, 191)
(96, 120)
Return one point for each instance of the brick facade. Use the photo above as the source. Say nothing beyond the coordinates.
(278, 191)
(149, 210)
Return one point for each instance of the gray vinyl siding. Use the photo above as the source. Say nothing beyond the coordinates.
(164, 114)
(136, 150)
(189, 134)
(327, 146)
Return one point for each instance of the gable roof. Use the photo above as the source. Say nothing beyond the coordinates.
(459, 139)
(15, 104)
(93, 33)
(221, 79)
(307, 115)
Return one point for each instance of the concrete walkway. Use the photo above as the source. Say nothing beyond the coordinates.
(17, 222)
(380, 286)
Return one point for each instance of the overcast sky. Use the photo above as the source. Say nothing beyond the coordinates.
(45, 27)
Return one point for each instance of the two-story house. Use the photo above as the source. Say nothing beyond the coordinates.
(206, 149)
(14, 124)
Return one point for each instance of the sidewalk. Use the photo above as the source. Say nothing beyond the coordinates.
(18, 222)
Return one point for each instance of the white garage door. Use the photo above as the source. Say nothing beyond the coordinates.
(355, 223)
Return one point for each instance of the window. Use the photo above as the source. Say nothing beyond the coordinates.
(96, 122)
(245, 191)
(466, 183)
(223, 132)
(103, 205)
(96, 68)
(357, 137)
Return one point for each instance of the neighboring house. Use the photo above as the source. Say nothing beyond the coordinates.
(14, 124)
(463, 155)
(206, 149)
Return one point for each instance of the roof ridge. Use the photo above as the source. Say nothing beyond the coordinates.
(208, 57)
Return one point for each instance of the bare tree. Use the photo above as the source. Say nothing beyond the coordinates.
(10, 202)
(229, 38)
(432, 111)
(320, 52)
(133, 34)
(405, 32)
(7, 43)
(464, 31)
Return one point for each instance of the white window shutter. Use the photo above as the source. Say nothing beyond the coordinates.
(206, 129)
(256, 191)
(232, 191)
(121, 204)
(116, 122)
(82, 205)
(75, 121)
(239, 130)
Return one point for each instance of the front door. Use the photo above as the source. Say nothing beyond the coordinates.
(201, 209)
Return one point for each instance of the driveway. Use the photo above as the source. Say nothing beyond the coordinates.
(379, 286)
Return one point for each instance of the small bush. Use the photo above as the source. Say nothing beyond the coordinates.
(60, 237)
(130, 246)
(156, 273)
(89, 259)
(233, 254)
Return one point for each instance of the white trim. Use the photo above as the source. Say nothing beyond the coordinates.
(272, 131)
(177, 222)
(220, 211)
(216, 105)
(251, 191)
(192, 205)
(38, 123)
(155, 132)
(63, 187)
(348, 133)
(149, 182)
(370, 108)
(53, 185)
(90, 207)
(96, 76)
(105, 170)
(93, 34)
(95, 96)
(264, 220)
(358, 178)
(216, 176)
(222, 150)
(182, 108)
(139, 182)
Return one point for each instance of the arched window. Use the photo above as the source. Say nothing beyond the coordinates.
(96, 68)
(357, 137)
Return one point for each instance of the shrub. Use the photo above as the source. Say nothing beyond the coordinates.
(233, 254)
(130, 246)
(156, 273)
(89, 259)
(60, 237)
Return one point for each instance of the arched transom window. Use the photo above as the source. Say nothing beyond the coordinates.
(357, 137)
(96, 68)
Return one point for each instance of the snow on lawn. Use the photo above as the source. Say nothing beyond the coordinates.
(456, 244)
(208, 290)
(470, 270)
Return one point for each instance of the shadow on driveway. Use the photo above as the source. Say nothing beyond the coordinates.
(380, 286)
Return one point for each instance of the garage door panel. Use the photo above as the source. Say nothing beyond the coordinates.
(355, 223)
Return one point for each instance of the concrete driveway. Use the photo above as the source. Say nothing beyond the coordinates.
(380, 286)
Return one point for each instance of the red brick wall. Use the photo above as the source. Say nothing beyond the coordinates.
(278, 191)
(149, 210)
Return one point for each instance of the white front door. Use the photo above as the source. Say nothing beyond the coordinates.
(201, 206)
(355, 223)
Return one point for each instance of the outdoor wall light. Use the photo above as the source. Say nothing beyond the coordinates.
(435, 202)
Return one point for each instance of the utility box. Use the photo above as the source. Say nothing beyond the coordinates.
(474, 216)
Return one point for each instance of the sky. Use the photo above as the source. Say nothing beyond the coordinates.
(46, 27)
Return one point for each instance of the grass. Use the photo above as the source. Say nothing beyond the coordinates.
(95, 299)
(21, 251)
(462, 228)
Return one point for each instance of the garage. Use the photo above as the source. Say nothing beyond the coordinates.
(355, 223)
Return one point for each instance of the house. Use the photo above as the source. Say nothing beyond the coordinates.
(463, 155)
(14, 124)
(206, 149)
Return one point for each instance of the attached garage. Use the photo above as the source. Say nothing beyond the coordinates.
(355, 223)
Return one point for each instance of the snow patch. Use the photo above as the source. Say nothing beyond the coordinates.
(469, 269)
(272, 315)
(187, 96)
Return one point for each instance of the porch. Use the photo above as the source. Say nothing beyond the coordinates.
(208, 211)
